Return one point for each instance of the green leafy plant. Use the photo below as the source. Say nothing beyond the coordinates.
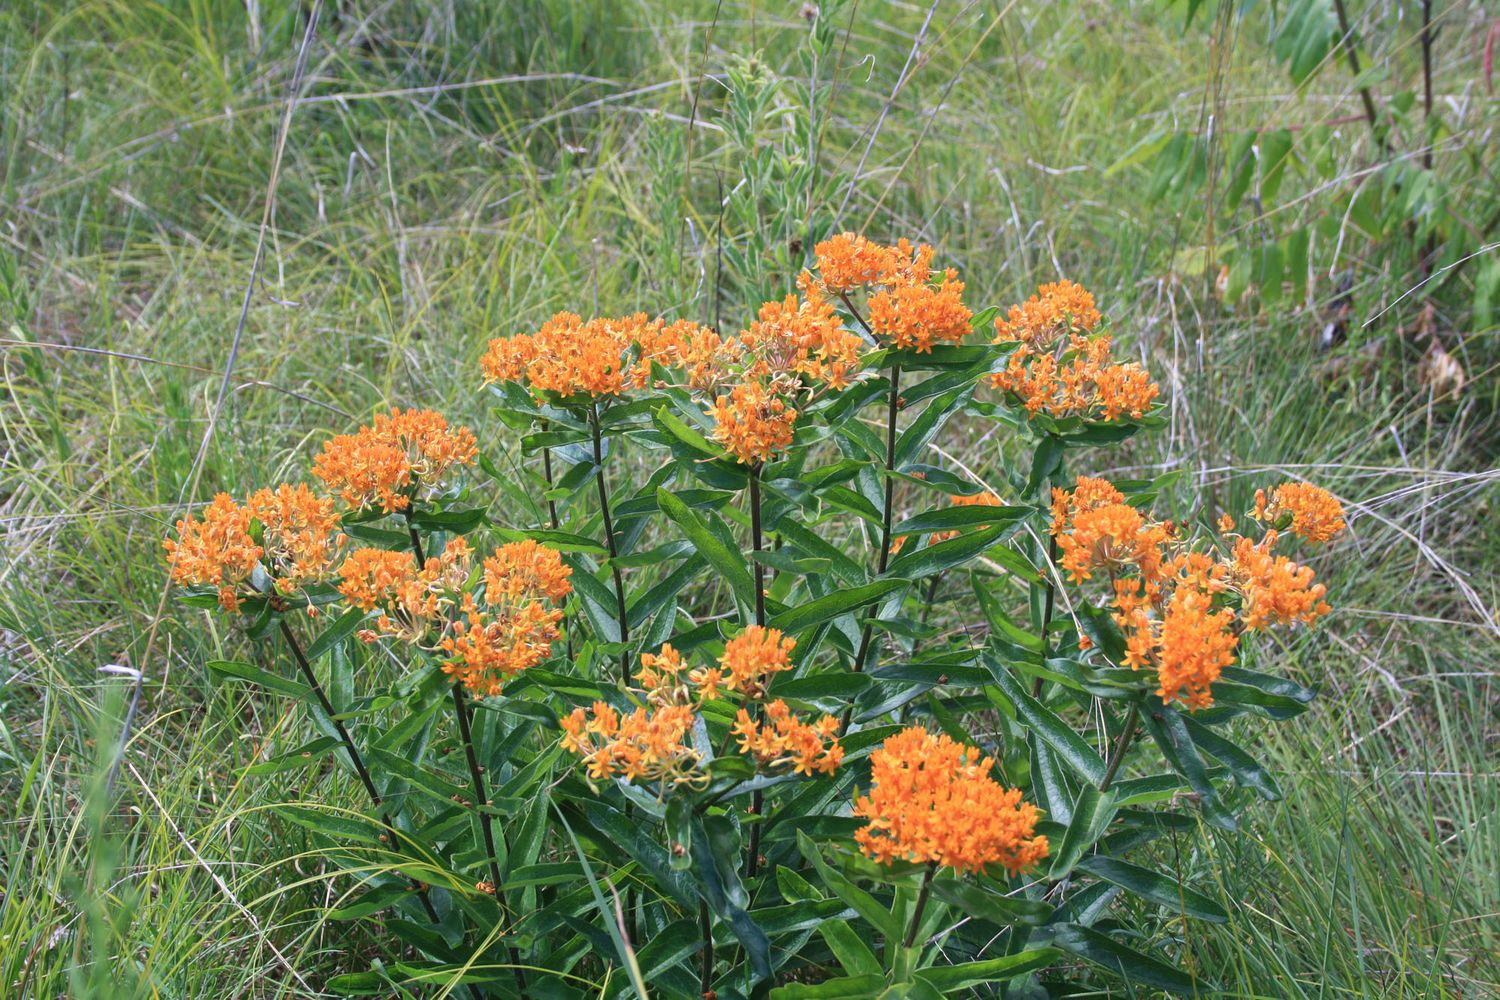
(666, 713)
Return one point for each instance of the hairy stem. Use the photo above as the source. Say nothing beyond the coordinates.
(552, 519)
(1122, 743)
(609, 542)
(706, 971)
(757, 797)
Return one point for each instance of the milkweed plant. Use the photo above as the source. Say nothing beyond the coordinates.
(665, 712)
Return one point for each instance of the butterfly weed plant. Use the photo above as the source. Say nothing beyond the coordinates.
(679, 723)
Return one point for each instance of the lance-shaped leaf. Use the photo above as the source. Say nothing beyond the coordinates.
(990, 970)
(1246, 769)
(1166, 728)
(716, 849)
(1064, 740)
(920, 431)
(958, 518)
(918, 563)
(728, 563)
(1125, 962)
(813, 613)
(1160, 889)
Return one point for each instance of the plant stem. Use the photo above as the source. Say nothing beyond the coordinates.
(1049, 604)
(893, 406)
(1122, 743)
(354, 755)
(916, 916)
(1346, 42)
(609, 542)
(416, 540)
(552, 519)
(757, 797)
(705, 927)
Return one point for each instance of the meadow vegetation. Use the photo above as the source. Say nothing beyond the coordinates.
(231, 232)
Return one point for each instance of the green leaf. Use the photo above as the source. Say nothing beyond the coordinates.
(359, 984)
(729, 564)
(863, 903)
(847, 988)
(957, 518)
(716, 847)
(1156, 887)
(1092, 812)
(330, 824)
(849, 948)
(1246, 770)
(307, 753)
(434, 785)
(272, 682)
(1064, 740)
(1164, 724)
(795, 621)
(622, 947)
(921, 430)
(979, 902)
(562, 541)
(919, 563)
(1125, 962)
(336, 633)
(993, 970)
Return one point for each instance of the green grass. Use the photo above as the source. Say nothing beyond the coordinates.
(420, 211)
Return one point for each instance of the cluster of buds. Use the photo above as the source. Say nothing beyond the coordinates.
(1182, 610)
(654, 745)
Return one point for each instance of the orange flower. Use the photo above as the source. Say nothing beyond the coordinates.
(753, 657)
(796, 341)
(641, 747)
(488, 647)
(1195, 645)
(1273, 589)
(1087, 494)
(919, 315)
(390, 461)
(299, 534)
(783, 740)
(523, 571)
(849, 261)
(506, 358)
(372, 576)
(1084, 383)
(216, 551)
(933, 800)
(1059, 308)
(1311, 512)
(752, 423)
(413, 603)
(1115, 538)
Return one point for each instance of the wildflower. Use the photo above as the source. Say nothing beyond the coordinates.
(1115, 538)
(849, 261)
(1087, 494)
(797, 341)
(1311, 512)
(933, 800)
(216, 550)
(1273, 589)
(299, 535)
(1085, 382)
(783, 740)
(752, 423)
(524, 571)
(487, 647)
(413, 603)
(753, 657)
(1195, 645)
(390, 461)
(1059, 308)
(918, 315)
(640, 747)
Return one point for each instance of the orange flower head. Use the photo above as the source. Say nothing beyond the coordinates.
(849, 261)
(1273, 589)
(413, 602)
(524, 571)
(639, 748)
(1083, 381)
(1058, 308)
(487, 647)
(506, 358)
(1195, 645)
(299, 534)
(1114, 538)
(752, 423)
(392, 461)
(933, 800)
(753, 657)
(1087, 494)
(1311, 512)
(216, 550)
(919, 315)
(783, 741)
(801, 340)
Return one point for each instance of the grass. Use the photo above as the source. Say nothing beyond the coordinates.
(454, 171)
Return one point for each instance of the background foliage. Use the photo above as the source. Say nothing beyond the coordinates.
(455, 171)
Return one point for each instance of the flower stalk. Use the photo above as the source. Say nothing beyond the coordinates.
(1122, 743)
(609, 543)
(921, 907)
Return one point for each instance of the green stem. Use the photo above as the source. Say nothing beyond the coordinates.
(1036, 688)
(706, 928)
(1122, 743)
(916, 916)
(354, 755)
(552, 519)
(757, 797)
(893, 406)
(609, 542)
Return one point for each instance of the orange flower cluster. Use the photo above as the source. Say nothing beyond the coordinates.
(216, 551)
(299, 534)
(644, 746)
(604, 356)
(413, 601)
(753, 423)
(651, 744)
(514, 628)
(1183, 611)
(783, 740)
(907, 308)
(525, 571)
(933, 800)
(297, 540)
(1056, 309)
(388, 462)
(1083, 382)
(1311, 512)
